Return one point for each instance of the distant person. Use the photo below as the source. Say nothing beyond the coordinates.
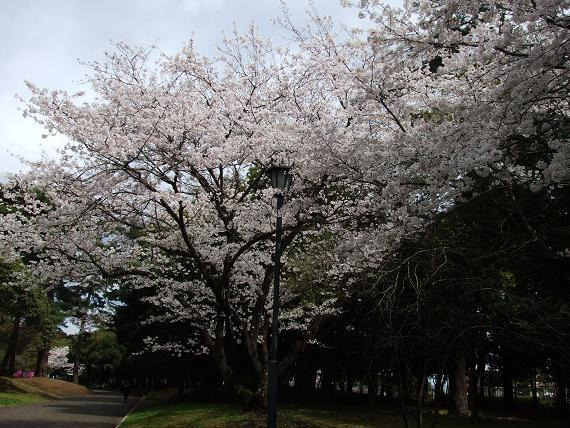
(125, 389)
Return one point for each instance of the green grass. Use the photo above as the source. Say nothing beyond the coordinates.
(189, 414)
(18, 398)
(12, 395)
(156, 413)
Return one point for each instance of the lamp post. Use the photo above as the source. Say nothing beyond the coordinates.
(280, 180)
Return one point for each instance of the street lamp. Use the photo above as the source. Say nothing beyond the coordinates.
(280, 180)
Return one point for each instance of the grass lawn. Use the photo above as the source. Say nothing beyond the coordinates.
(17, 398)
(14, 392)
(160, 414)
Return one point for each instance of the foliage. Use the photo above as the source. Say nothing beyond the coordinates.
(101, 355)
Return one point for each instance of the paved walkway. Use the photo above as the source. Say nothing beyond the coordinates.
(97, 410)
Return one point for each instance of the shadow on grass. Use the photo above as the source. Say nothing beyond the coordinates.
(160, 413)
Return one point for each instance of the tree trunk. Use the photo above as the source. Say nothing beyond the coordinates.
(373, 383)
(311, 381)
(181, 378)
(251, 396)
(458, 386)
(561, 395)
(382, 391)
(349, 382)
(9, 360)
(301, 378)
(420, 394)
(76, 365)
(401, 392)
(533, 389)
(507, 385)
(181, 385)
(482, 385)
(438, 392)
(88, 375)
(403, 408)
(77, 351)
(388, 385)
(42, 361)
(474, 394)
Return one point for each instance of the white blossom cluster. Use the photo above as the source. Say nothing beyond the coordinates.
(58, 361)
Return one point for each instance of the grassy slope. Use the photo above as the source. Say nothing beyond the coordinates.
(18, 398)
(31, 390)
(160, 414)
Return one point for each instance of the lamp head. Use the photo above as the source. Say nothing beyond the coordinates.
(280, 177)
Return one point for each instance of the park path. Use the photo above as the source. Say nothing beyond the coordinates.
(97, 410)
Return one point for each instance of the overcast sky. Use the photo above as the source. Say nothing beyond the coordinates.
(42, 41)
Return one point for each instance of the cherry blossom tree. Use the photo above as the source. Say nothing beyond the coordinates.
(162, 181)
(58, 362)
